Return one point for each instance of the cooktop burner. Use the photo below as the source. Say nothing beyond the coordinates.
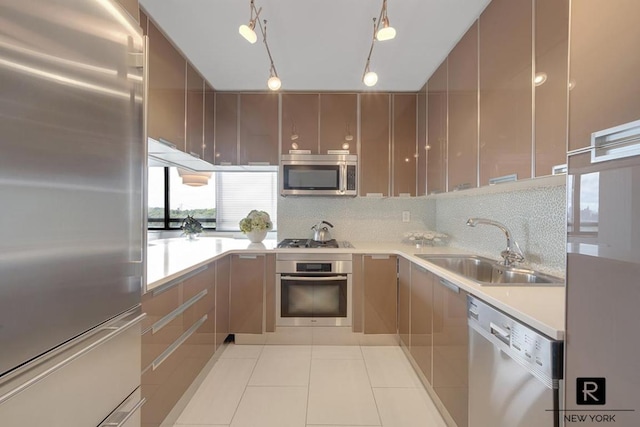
(310, 243)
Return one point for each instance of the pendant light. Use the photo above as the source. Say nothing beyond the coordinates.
(382, 31)
(194, 179)
(248, 32)
(387, 32)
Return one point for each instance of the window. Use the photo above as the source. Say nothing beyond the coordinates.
(220, 205)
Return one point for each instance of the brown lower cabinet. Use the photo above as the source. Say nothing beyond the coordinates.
(248, 282)
(438, 334)
(178, 339)
(380, 294)
(404, 300)
(421, 314)
(450, 349)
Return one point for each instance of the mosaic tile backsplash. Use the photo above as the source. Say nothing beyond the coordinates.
(535, 216)
(361, 218)
(534, 212)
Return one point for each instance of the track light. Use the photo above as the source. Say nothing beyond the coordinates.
(247, 31)
(387, 32)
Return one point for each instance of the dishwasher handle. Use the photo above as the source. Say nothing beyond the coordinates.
(503, 335)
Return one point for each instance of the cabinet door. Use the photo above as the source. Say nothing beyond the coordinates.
(270, 293)
(195, 111)
(374, 144)
(552, 45)
(422, 141)
(131, 6)
(357, 293)
(462, 166)
(421, 318)
(380, 294)
(437, 131)
(450, 349)
(505, 89)
(246, 294)
(201, 289)
(300, 115)
(338, 122)
(226, 128)
(167, 76)
(223, 269)
(404, 144)
(259, 128)
(605, 64)
(404, 300)
(208, 147)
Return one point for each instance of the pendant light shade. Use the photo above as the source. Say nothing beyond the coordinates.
(387, 32)
(370, 78)
(247, 32)
(194, 179)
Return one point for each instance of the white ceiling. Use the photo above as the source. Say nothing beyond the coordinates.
(317, 45)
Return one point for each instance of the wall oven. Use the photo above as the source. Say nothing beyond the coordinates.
(319, 175)
(313, 289)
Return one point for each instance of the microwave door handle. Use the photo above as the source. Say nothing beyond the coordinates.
(343, 170)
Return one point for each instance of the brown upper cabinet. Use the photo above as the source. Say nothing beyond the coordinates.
(131, 6)
(259, 128)
(338, 122)
(422, 141)
(463, 112)
(374, 144)
(208, 146)
(300, 121)
(605, 64)
(167, 77)
(505, 89)
(195, 111)
(551, 86)
(404, 144)
(226, 128)
(437, 131)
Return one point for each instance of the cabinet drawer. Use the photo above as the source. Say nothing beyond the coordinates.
(153, 344)
(159, 304)
(169, 375)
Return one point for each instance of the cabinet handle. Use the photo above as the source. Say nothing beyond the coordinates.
(177, 312)
(380, 256)
(314, 279)
(125, 418)
(160, 289)
(177, 343)
(447, 284)
(167, 143)
(253, 256)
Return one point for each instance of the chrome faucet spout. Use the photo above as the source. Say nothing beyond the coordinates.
(512, 254)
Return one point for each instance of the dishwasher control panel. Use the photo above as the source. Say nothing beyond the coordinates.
(541, 354)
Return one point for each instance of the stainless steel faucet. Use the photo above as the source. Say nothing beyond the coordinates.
(512, 254)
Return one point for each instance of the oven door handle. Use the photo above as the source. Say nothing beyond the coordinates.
(315, 279)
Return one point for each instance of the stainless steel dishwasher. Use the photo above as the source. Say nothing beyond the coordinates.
(514, 371)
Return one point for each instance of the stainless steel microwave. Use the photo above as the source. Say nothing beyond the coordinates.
(319, 175)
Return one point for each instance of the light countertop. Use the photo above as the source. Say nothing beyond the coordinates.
(541, 307)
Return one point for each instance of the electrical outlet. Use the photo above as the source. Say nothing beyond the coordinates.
(406, 216)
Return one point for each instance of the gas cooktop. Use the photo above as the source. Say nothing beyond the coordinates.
(312, 244)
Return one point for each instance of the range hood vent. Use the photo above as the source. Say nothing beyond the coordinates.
(163, 153)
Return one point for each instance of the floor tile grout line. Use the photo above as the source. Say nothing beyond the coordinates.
(364, 361)
(306, 410)
(245, 386)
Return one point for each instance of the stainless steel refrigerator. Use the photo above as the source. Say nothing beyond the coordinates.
(602, 371)
(72, 163)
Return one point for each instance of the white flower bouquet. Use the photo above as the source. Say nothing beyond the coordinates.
(426, 237)
(256, 221)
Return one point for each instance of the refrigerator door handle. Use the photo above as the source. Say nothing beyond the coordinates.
(112, 334)
(113, 422)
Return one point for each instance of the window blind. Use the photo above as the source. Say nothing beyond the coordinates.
(237, 193)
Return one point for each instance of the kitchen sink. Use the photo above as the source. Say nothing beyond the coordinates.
(488, 272)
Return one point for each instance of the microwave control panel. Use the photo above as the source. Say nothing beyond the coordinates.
(351, 178)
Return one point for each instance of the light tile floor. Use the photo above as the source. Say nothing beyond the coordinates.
(309, 386)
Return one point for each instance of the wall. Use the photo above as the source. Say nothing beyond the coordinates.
(534, 211)
(360, 218)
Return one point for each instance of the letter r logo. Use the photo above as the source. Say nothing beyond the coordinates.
(591, 391)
